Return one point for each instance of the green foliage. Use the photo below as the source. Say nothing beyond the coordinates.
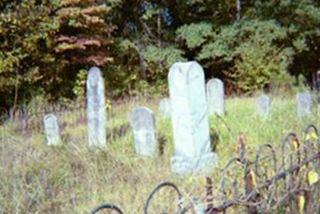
(80, 83)
(163, 56)
(26, 35)
(195, 34)
(252, 50)
(44, 44)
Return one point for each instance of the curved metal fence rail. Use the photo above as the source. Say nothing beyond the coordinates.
(284, 179)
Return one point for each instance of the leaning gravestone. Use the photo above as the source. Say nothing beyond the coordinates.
(189, 119)
(96, 111)
(304, 103)
(165, 107)
(51, 129)
(143, 124)
(263, 106)
(215, 96)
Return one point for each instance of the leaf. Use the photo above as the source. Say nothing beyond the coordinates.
(313, 177)
(253, 178)
(295, 145)
(271, 173)
(195, 34)
(301, 203)
(311, 136)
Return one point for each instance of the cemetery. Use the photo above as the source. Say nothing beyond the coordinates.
(199, 107)
(224, 159)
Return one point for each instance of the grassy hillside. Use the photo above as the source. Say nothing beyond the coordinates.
(35, 178)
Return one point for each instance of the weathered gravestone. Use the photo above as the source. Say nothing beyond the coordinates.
(189, 119)
(165, 107)
(19, 116)
(96, 111)
(51, 129)
(263, 106)
(304, 104)
(143, 124)
(215, 96)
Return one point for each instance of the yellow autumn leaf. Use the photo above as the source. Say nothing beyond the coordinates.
(271, 173)
(313, 177)
(295, 144)
(311, 136)
(253, 176)
(301, 203)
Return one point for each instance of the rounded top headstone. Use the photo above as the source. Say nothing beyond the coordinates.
(215, 86)
(184, 69)
(215, 81)
(142, 117)
(49, 117)
(303, 95)
(263, 99)
(94, 76)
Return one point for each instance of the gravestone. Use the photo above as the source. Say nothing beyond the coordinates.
(263, 106)
(165, 107)
(215, 96)
(96, 112)
(304, 104)
(51, 129)
(143, 124)
(189, 119)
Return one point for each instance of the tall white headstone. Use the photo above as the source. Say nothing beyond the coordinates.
(143, 124)
(51, 129)
(96, 111)
(263, 106)
(165, 107)
(189, 119)
(215, 96)
(304, 104)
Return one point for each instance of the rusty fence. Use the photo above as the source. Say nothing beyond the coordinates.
(26, 121)
(282, 179)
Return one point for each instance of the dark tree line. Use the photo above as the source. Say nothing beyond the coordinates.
(46, 46)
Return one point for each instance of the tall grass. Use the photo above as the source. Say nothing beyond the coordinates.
(35, 178)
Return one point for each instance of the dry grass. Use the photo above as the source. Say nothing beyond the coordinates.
(35, 178)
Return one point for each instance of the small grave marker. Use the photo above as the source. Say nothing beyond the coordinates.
(304, 103)
(51, 129)
(263, 106)
(143, 124)
(215, 96)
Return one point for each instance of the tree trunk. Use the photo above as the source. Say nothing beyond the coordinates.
(238, 10)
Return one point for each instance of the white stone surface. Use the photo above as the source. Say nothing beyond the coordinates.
(189, 119)
(263, 106)
(215, 97)
(304, 104)
(96, 111)
(165, 107)
(144, 130)
(51, 128)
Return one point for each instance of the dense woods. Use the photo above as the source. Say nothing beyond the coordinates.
(46, 46)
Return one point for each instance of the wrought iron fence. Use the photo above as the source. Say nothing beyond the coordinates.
(281, 180)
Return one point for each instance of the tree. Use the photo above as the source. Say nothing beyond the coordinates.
(84, 35)
(26, 48)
